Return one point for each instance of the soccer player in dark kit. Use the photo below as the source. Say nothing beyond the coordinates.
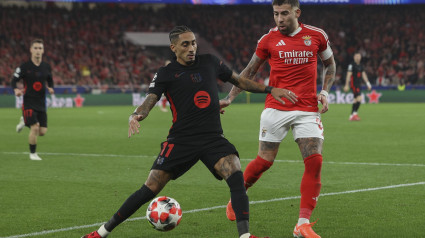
(190, 85)
(355, 74)
(34, 73)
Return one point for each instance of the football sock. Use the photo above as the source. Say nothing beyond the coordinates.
(102, 231)
(310, 185)
(246, 235)
(130, 206)
(240, 201)
(33, 148)
(254, 170)
(243, 228)
(303, 221)
(356, 106)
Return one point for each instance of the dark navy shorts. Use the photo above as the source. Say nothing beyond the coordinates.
(32, 116)
(179, 158)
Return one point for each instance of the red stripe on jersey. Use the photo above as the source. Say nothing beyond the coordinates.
(173, 107)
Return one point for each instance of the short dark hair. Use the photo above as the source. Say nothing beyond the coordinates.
(176, 31)
(293, 3)
(37, 40)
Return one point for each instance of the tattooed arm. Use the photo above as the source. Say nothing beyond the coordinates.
(254, 87)
(249, 72)
(141, 113)
(329, 71)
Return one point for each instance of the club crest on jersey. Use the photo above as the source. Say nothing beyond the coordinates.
(196, 78)
(307, 40)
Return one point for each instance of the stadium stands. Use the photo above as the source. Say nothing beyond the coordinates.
(85, 44)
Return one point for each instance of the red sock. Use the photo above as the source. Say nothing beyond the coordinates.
(310, 185)
(164, 102)
(254, 170)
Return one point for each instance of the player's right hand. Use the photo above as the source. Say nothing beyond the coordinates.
(133, 124)
(224, 103)
(346, 88)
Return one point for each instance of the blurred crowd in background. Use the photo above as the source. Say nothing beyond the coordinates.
(85, 44)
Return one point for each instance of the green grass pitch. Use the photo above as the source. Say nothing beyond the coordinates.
(373, 176)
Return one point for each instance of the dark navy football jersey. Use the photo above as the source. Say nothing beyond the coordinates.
(193, 96)
(357, 71)
(34, 78)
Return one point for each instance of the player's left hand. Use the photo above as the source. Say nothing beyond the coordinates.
(51, 90)
(369, 86)
(133, 124)
(278, 93)
(324, 101)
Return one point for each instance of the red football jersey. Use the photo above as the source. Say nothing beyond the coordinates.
(293, 62)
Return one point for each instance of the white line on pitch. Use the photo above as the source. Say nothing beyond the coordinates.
(223, 206)
(153, 156)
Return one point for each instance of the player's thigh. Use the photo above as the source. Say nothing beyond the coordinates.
(308, 132)
(176, 159)
(307, 124)
(42, 118)
(274, 125)
(227, 165)
(30, 117)
(221, 158)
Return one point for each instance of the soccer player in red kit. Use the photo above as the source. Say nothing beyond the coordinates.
(291, 48)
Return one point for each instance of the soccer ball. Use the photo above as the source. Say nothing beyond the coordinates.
(164, 213)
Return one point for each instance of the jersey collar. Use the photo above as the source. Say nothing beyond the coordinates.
(296, 31)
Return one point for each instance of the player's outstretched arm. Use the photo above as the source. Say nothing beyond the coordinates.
(249, 72)
(141, 113)
(254, 87)
(366, 80)
(329, 71)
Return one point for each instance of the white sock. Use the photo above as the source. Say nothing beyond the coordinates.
(246, 235)
(102, 231)
(303, 221)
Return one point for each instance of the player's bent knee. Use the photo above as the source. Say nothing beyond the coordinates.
(42, 131)
(157, 180)
(227, 166)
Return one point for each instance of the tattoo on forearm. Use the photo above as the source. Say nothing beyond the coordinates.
(147, 105)
(329, 74)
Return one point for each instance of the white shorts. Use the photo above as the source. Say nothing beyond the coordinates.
(275, 124)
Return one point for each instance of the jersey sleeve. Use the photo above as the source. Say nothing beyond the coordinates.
(49, 77)
(224, 72)
(325, 50)
(17, 76)
(158, 84)
(262, 50)
(350, 68)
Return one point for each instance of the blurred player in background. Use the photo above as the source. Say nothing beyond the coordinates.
(355, 75)
(35, 73)
(190, 85)
(291, 49)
